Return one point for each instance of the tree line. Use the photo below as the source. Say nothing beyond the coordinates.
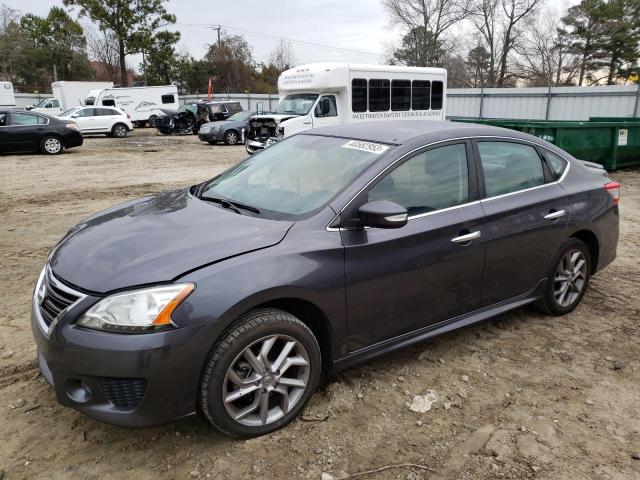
(482, 43)
(93, 40)
(502, 43)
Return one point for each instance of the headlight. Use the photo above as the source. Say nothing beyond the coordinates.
(39, 291)
(205, 128)
(217, 128)
(138, 311)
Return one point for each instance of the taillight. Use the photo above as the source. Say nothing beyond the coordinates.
(72, 125)
(614, 190)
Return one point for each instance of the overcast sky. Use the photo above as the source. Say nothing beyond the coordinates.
(342, 30)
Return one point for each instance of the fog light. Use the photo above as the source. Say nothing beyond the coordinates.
(77, 390)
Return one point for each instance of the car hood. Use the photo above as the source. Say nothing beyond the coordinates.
(277, 118)
(225, 124)
(157, 239)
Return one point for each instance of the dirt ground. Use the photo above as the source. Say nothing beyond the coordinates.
(522, 396)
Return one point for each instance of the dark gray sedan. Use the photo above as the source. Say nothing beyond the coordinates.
(230, 131)
(331, 247)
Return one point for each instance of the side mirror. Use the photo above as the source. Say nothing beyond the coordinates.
(30, 107)
(383, 214)
(325, 106)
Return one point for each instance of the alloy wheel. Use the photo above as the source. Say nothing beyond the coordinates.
(232, 138)
(52, 145)
(120, 131)
(266, 380)
(570, 278)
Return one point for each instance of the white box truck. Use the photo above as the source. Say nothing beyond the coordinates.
(7, 95)
(140, 103)
(67, 95)
(320, 94)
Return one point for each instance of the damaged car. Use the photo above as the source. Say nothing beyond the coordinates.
(231, 131)
(266, 129)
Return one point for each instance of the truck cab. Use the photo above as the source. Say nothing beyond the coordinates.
(50, 106)
(323, 94)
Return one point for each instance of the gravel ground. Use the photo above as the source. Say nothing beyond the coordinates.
(521, 396)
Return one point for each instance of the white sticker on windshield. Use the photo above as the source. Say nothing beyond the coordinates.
(370, 147)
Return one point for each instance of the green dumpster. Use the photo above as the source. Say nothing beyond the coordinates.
(611, 142)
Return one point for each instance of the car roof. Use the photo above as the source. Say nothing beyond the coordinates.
(399, 132)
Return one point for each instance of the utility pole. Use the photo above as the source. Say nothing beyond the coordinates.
(218, 28)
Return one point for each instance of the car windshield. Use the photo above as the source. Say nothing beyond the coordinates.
(41, 103)
(298, 103)
(295, 176)
(69, 112)
(240, 116)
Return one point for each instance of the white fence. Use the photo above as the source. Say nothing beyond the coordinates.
(557, 103)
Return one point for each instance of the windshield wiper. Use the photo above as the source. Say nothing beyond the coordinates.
(231, 205)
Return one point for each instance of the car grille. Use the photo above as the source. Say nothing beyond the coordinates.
(123, 392)
(57, 297)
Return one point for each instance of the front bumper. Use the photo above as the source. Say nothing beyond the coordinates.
(211, 136)
(123, 379)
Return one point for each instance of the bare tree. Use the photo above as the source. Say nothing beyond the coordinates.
(544, 55)
(102, 48)
(499, 22)
(431, 17)
(282, 57)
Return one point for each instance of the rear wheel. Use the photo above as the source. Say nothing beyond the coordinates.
(51, 145)
(231, 137)
(569, 280)
(153, 121)
(259, 377)
(119, 130)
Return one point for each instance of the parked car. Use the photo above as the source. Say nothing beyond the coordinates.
(110, 120)
(230, 131)
(25, 131)
(328, 248)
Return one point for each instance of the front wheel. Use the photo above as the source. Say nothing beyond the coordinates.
(569, 280)
(259, 377)
(51, 145)
(231, 137)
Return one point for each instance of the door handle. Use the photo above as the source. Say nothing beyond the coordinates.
(553, 215)
(466, 238)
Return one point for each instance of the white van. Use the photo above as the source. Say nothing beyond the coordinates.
(140, 103)
(66, 95)
(320, 94)
(7, 95)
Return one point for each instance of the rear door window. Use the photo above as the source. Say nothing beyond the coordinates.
(509, 167)
(429, 181)
(18, 118)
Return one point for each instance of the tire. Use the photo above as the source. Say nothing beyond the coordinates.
(51, 145)
(119, 130)
(227, 368)
(231, 137)
(573, 262)
(153, 121)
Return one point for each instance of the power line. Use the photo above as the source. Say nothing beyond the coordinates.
(292, 40)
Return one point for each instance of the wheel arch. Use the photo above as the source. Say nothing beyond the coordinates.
(593, 244)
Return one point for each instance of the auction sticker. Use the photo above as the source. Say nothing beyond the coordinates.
(370, 147)
(623, 134)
